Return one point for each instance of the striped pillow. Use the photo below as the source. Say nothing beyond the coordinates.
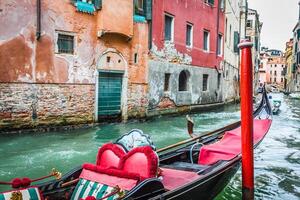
(26, 194)
(87, 188)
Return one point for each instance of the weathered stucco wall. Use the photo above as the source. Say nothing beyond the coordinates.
(26, 62)
(203, 17)
(160, 99)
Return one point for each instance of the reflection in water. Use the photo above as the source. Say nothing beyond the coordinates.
(277, 159)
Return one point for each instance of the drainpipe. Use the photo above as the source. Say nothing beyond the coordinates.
(38, 24)
(218, 23)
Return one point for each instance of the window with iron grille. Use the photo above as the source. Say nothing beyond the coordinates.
(65, 43)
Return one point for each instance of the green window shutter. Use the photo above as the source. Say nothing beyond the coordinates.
(212, 2)
(236, 41)
(98, 4)
(148, 9)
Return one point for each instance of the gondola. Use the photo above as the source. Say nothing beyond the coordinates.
(132, 168)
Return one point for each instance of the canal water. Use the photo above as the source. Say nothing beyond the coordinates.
(277, 159)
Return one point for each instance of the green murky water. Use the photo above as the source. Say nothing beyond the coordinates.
(277, 160)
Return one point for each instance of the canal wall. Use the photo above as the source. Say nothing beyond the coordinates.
(27, 106)
(161, 98)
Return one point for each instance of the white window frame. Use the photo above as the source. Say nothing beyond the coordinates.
(208, 41)
(221, 45)
(192, 34)
(172, 27)
(57, 32)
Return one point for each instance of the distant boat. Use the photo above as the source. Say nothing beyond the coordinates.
(276, 107)
(295, 95)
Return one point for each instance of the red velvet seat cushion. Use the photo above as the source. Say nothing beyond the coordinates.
(109, 155)
(140, 160)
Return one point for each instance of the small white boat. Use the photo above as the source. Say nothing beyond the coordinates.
(295, 95)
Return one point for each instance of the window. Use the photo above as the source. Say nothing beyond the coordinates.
(236, 41)
(183, 81)
(139, 7)
(169, 28)
(167, 82)
(205, 82)
(249, 23)
(275, 73)
(230, 30)
(206, 41)
(274, 79)
(189, 35)
(219, 80)
(135, 58)
(281, 80)
(210, 2)
(65, 43)
(220, 46)
(271, 72)
(275, 65)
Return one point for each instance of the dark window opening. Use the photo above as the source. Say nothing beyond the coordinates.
(168, 28)
(249, 23)
(167, 82)
(183, 81)
(206, 40)
(274, 79)
(135, 58)
(65, 43)
(108, 59)
(210, 2)
(205, 82)
(219, 80)
(275, 73)
(189, 35)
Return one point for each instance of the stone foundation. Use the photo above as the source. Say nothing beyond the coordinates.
(25, 105)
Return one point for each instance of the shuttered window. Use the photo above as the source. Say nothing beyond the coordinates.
(65, 43)
(236, 40)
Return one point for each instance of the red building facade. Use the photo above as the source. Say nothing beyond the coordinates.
(203, 16)
(187, 39)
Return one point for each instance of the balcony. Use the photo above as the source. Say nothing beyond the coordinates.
(116, 17)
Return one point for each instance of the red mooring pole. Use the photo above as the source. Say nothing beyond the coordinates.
(247, 120)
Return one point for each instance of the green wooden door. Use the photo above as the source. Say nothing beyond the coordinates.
(109, 95)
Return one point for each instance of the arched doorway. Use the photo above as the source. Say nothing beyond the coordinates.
(183, 80)
(111, 92)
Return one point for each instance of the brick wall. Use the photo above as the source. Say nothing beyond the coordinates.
(25, 105)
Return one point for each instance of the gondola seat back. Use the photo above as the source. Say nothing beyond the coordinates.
(109, 155)
(142, 161)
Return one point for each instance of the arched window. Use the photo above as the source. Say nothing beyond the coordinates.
(183, 81)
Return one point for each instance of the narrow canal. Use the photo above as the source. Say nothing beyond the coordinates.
(277, 160)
